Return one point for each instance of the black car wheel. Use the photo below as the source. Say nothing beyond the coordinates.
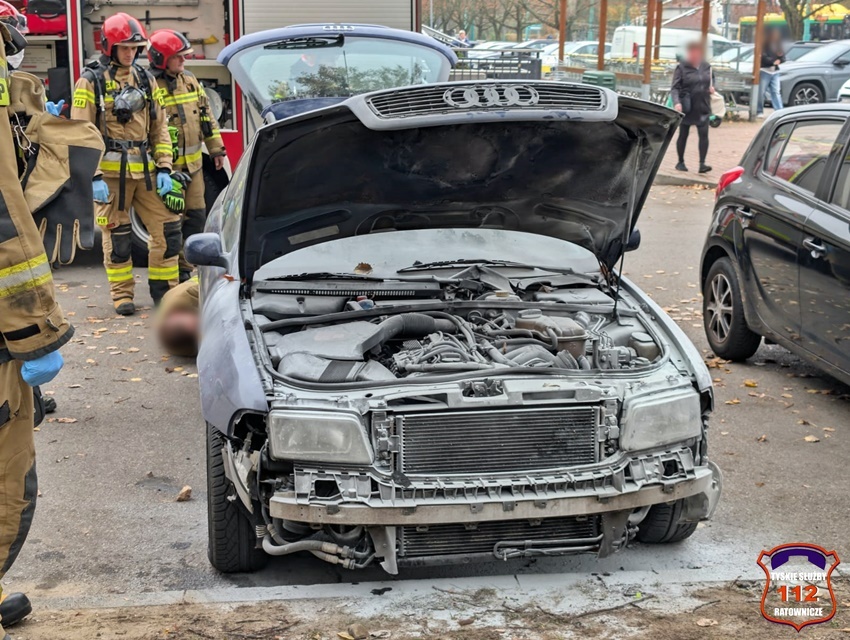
(723, 314)
(806, 93)
(232, 541)
(663, 524)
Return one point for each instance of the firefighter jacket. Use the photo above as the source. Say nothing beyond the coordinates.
(31, 322)
(57, 159)
(145, 137)
(190, 116)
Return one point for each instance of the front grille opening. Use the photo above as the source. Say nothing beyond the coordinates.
(325, 489)
(482, 538)
(671, 469)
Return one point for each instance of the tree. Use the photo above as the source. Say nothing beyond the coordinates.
(797, 12)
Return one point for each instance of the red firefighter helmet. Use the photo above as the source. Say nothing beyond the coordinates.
(122, 29)
(164, 44)
(10, 16)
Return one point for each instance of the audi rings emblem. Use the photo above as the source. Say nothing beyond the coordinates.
(491, 96)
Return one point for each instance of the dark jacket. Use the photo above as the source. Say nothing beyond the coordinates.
(690, 88)
(769, 55)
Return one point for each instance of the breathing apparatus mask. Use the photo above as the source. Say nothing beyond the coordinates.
(128, 102)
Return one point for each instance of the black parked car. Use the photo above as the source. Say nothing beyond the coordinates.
(776, 262)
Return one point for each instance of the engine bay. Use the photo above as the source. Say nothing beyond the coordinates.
(340, 333)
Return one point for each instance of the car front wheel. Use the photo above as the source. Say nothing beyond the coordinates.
(723, 314)
(806, 93)
(232, 541)
(663, 524)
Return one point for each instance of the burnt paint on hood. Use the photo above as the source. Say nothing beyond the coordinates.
(325, 175)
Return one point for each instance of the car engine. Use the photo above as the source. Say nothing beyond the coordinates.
(414, 344)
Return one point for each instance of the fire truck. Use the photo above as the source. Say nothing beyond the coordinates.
(64, 36)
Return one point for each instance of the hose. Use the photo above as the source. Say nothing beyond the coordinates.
(302, 545)
(449, 366)
(496, 355)
(408, 325)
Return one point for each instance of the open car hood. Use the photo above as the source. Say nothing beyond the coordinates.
(570, 161)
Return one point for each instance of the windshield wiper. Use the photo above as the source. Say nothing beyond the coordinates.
(310, 42)
(326, 275)
(422, 266)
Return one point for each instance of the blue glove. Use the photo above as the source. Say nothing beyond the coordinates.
(55, 108)
(42, 370)
(163, 183)
(100, 190)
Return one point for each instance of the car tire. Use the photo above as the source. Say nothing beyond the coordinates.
(723, 314)
(806, 93)
(232, 541)
(662, 524)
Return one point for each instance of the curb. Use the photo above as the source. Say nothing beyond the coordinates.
(667, 180)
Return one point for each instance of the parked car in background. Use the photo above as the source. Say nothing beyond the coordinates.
(589, 48)
(426, 355)
(795, 50)
(776, 262)
(816, 76)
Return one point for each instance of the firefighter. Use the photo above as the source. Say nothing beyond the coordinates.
(32, 329)
(190, 124)
(122, 99)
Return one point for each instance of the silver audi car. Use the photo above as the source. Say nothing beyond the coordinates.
(417, 344)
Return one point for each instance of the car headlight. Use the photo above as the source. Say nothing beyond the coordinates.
(318, 436)
(658, 419)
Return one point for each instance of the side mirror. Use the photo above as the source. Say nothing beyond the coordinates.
(634, 240)
(205, 250)
(842, 62)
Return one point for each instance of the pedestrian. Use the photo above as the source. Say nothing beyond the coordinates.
(693, 85)
(461, 36)
(32, 329)
(123, 100)
(772, 56)
(190, 125)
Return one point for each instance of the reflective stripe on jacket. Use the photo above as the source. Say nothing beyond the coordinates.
(187, 108)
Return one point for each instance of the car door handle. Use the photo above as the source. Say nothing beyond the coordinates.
(745, 213)
(817, 250)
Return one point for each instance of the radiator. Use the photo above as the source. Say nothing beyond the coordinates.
(511, 440)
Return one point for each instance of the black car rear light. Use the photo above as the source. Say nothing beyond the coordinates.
(728, 178)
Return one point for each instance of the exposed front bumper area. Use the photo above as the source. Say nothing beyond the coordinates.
(608, 495)
(705, 483)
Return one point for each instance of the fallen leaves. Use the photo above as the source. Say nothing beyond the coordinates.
(185, 494)
(762, 438)
(733, 401)
(752, 384)
(706, 622)
(811, 438)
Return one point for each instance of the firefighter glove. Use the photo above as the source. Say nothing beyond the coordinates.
(175, 197)
(163, 183)
(54, 108)
(42, 370)
(100, 190)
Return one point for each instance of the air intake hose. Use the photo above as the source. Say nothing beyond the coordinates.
(413, 325)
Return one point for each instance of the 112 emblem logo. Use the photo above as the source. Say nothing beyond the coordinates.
(798, 590)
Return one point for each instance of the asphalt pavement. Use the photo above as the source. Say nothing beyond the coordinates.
(128, 436)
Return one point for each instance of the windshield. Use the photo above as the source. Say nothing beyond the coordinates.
(825, 53)
(333, 66)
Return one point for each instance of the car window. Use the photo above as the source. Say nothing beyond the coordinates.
(841, 197)
(777, 145)
(231, 206)
(805, 153)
